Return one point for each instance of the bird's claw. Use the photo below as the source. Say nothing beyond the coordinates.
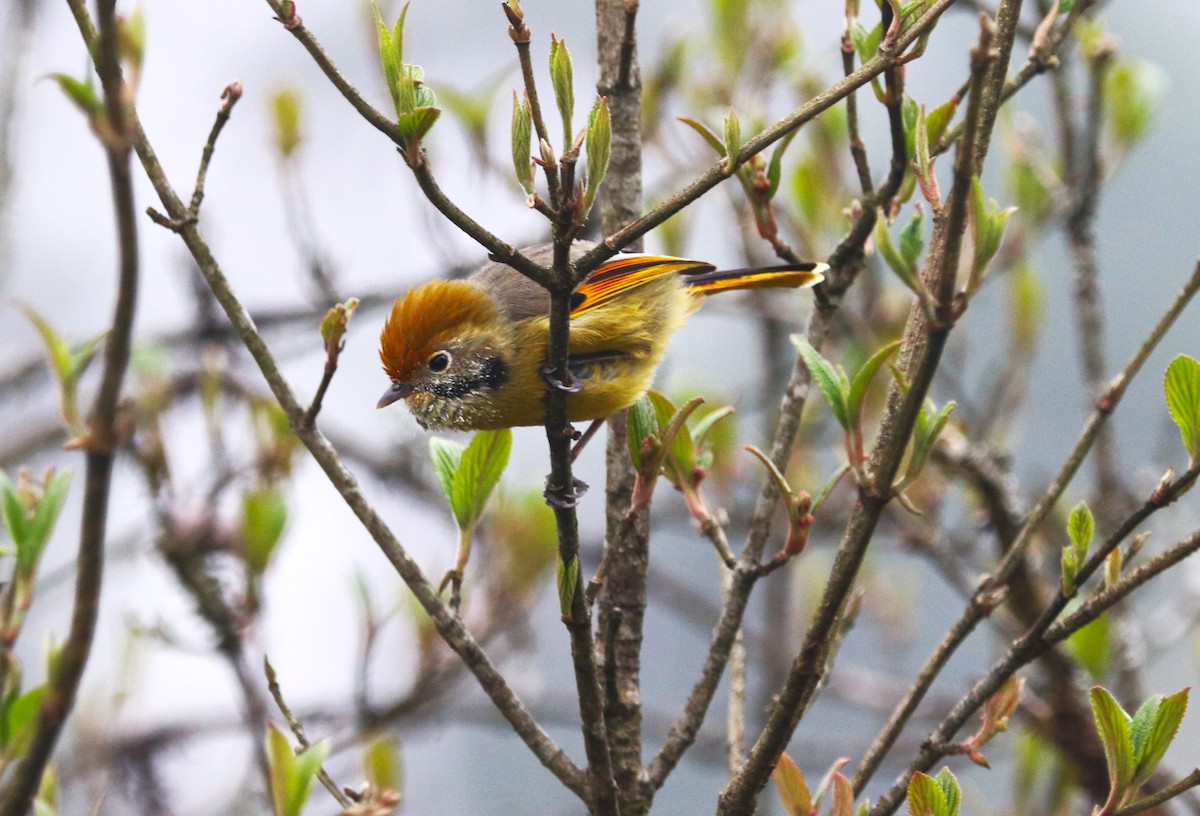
(571, 385)
(564, 498)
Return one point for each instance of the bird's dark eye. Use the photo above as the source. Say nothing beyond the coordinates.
(439, 361)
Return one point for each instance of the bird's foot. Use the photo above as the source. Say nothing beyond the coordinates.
(570, 385)
(564, 497)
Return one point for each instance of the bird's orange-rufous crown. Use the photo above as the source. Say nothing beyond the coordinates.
(425, 318)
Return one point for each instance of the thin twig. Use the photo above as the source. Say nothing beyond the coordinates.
(1165, 795)
(298, 730)
(103, 437)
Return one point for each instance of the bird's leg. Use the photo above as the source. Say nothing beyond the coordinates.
(582, 439)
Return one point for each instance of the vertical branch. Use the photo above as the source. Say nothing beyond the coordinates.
(102, 440)
(1083, 171)
(621, 605)
(923, 346)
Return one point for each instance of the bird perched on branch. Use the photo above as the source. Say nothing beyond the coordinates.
(469, 354)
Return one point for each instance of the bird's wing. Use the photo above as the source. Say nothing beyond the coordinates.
(520, 298)
(625, 272)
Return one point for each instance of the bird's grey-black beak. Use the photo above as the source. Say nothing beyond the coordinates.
(395, 393)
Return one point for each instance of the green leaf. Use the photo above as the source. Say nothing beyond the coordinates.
(710, 135)
(950, 789)
(480, 468)
(382, 766)
(680, 460)
(733, 140)
(925, 796)
(1113, 725)
(938, 119)
(1081, 527)
(1133, 91)
(598, 144)
(264, 515)
(1092, 644)
(522, 133)
(446, 456)
(308, 764)
(704, 425)
(82, 94)
(793, 790)
(866, 43)
(912, 240)
(864, 376)
(910, 112)
(774, 169)
(20, 717)
(827, 380)
(1152, 742)
(568, 577)
(904, 270)
(563, 81)
(390, 54)
(1182, 387)
(643, 421)
(285, 114)
(280, 762)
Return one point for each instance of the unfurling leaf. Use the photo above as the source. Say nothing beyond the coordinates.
(925, 796)
(291, 774)
(335, 322)
(563, 80)
(793, 790)
(1133, 91)
(446, 456)
(382, 766)
(568, 577)
(522, 134)
(1113, 725)
(598, 144)
(1182, 387)
(643, 423)
(264, 515)
(988, 223)
(1153, 731)
(733, 140)
(831, 381)
(30, 513)
(1081, 527)
(479, 470)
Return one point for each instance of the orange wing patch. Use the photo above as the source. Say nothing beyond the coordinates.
(624, 273)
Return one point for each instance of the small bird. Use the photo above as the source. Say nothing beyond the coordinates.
(469, 354)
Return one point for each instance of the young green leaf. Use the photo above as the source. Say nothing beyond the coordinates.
(864, 376)
(643, 421)
(938, 119)
(390, 54)
(733, 140)
(925, 796)
(793, 790)
(522, 133)
(446, 457)
(1153, 732)
(308, 764)
(828, 380)
(950, 790)
(29, 522)
(1081, 527)
(563, 81)
(1182, 387)
(280, 762)
(905, 270)
(382, 766)
(1133, 91)
(478, 472)
(82, 94)
(1113, 725)
(264, 515)
(568, 577)
(20, 715)
(598, 144)
(912, 240)
(680, 460)
(285, 115)
(1092, 645)
(774, 169)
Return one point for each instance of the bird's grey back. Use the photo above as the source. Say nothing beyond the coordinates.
(516, 295)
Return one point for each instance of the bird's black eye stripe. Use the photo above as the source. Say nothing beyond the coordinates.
(577, 299)
(439, 361)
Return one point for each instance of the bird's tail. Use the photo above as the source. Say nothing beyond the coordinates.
(794, 276)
